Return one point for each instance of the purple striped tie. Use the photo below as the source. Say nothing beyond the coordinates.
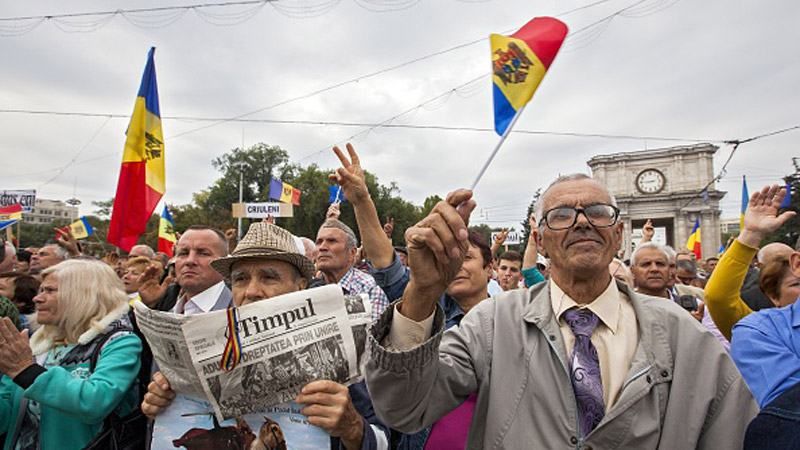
(585, 369)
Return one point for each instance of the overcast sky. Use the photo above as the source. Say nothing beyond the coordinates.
(715, 69)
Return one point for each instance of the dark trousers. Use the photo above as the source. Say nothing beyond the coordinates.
(777, 426)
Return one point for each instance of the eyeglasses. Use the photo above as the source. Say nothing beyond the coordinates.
(600, 215)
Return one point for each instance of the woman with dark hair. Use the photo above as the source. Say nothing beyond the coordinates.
(25, 288)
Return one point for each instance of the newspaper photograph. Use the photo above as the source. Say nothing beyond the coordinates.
(170, 351)
(286, 342)
(359, 314)
(191, 424)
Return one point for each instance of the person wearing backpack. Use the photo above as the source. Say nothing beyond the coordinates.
(58, 388)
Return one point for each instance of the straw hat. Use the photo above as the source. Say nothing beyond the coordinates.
(266, 241)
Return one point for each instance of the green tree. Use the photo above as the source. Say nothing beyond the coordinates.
(429, 203)
(103, 207)
(790, 231)
(526, 227)
(484, 230)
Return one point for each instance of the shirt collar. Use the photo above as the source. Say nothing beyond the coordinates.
(208, 298)
(796, 314)
(347, 278)
(606, 306)
(452, 311)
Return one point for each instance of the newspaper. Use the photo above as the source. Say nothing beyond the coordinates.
(286, 342)
(170, 351)
(187, 423)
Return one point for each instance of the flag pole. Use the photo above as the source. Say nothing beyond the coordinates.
(497, 147)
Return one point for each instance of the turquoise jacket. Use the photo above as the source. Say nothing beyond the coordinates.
(73, 401)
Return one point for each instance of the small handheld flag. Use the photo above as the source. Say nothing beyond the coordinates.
(694, 242)
(745, 202)
(81, 228)
(519, 63)
(233, 348)
(166, 233)
(787, 200)
(335, 194)
(142, 175)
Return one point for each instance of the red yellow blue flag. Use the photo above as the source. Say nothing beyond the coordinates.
(519, 63)
(166, 233)
(693, 244)
(142, 176)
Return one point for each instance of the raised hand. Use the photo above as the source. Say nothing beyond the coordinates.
(151, 288)
(761, 217)
(500, 238)
(333, 211)
(648, 231)
(388, 227)
(67, 241)
(350, 176)
(436, 248)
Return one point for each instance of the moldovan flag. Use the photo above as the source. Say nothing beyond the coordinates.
(141, 178)
(693, 243)
(286, 193)
(745, 202)
(166, 233)
(519, 63)
(81, 228)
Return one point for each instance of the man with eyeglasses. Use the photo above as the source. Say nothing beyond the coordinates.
(580, 361)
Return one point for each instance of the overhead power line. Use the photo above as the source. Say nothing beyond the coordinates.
(373, 125)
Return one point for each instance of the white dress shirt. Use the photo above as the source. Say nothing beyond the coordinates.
(200, 303)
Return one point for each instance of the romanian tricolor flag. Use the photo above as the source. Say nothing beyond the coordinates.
(519, 63)
(693, 243)
(81, 228)
(745, 202)
(141, 178)
(11, 212)
(166, 233)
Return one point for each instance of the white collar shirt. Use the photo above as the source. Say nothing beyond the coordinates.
(200, 303)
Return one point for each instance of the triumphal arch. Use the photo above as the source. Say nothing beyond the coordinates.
(667, 186)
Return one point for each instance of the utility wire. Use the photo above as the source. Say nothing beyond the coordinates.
(374, 125)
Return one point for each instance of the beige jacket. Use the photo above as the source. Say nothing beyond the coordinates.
(682, 390)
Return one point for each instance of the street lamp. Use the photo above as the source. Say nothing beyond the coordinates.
(240, 165)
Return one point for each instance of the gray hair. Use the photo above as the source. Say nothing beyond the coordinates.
(539, 207)
(687, 264)
(146, 250)
(351, 241)
(665, 250)
(60, 251)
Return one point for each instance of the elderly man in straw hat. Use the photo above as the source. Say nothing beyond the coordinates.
(265, 264)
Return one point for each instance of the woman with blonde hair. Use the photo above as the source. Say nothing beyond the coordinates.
(49, 395)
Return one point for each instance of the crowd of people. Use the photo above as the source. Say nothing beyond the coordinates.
(569, 343)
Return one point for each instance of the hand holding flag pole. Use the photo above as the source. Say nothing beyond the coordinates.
(519, 63)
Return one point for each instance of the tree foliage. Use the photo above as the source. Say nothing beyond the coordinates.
(526, 226)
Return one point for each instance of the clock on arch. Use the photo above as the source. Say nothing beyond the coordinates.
(650, 181)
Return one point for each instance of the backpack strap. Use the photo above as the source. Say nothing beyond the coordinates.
(100, 341)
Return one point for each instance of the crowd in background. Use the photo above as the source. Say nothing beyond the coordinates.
(472, 346)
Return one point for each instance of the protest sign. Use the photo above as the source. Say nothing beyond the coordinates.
(26, 198)
(262, 210)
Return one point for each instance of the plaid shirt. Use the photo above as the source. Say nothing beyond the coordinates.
(356, 282)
